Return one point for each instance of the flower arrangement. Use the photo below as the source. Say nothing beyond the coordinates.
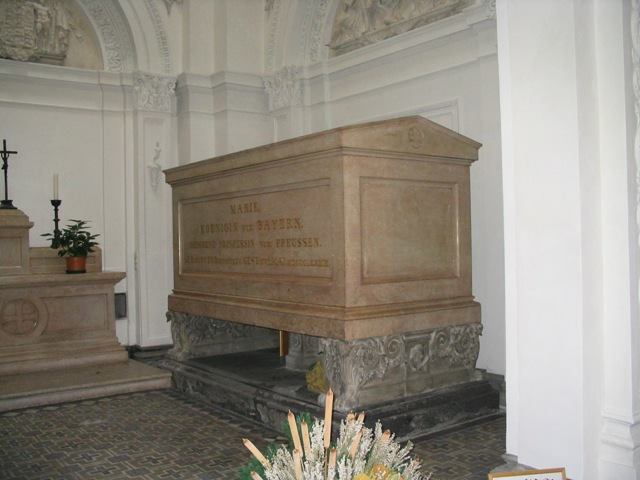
(358, 453)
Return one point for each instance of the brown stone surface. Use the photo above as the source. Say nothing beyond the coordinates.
(14, 242)
(57, 321)
(46, 260)
(45, 388)
(355, 232)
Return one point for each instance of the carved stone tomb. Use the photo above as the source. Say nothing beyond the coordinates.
(356, 240)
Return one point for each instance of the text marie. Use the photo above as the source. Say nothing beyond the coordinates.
(246, 207)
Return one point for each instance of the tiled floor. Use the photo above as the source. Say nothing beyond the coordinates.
(164, 435)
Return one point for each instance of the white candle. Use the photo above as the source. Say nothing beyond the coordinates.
(55, 186)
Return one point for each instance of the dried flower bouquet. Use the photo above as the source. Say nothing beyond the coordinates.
(358, 453)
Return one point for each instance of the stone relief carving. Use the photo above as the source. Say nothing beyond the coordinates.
(155, 167)
(284, 88)
(21, 317)
(117, 45)
(315, 46)
(454, 347)
(37, 30)
(490, 6)
(154, 92)
(169, 4)
(272, 9)
(352, 365)
(195, 335)
(160, 31)
(362, 22)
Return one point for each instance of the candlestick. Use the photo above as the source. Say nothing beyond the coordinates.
(55, 186)
(56, 219)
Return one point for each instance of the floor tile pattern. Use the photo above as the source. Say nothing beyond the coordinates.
(165, 435)
(466, 454)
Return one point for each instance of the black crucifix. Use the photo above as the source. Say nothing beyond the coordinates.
(6, 203)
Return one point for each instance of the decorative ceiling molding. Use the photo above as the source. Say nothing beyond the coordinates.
(114, 36)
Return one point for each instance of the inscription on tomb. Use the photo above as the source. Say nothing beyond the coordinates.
(281, 233)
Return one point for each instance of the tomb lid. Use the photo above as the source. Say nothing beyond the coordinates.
(14, 218)
(405, 136)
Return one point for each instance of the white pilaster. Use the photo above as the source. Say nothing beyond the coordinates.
(570, 238)
(154, 150)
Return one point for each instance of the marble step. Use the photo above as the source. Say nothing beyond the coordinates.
(73, 384)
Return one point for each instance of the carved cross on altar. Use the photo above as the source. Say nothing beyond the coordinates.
(4, 153)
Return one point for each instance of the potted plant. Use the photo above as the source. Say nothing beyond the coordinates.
(75, 242)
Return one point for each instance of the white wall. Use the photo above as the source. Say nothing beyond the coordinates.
(69, 122)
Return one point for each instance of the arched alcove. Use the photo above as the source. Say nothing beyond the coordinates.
(113, 33)
(297, 32)
(106, 35)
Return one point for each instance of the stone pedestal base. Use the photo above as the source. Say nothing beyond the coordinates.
(381, 369)
(197, 336)
(304, 351)
(257, 386)
(51, 321)
(416, 383)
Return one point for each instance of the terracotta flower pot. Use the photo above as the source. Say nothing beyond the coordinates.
(76, 264)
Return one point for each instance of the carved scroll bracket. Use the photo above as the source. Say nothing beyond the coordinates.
(367, 370)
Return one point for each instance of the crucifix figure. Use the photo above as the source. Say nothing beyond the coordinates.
(6, 203)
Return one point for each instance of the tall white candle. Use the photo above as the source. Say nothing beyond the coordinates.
(55, 186)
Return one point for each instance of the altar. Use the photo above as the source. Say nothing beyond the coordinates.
(357, 242)
(58, 340)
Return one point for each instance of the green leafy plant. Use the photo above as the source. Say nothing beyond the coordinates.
(74, 240)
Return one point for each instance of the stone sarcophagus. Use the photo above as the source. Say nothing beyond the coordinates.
(357, 232)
